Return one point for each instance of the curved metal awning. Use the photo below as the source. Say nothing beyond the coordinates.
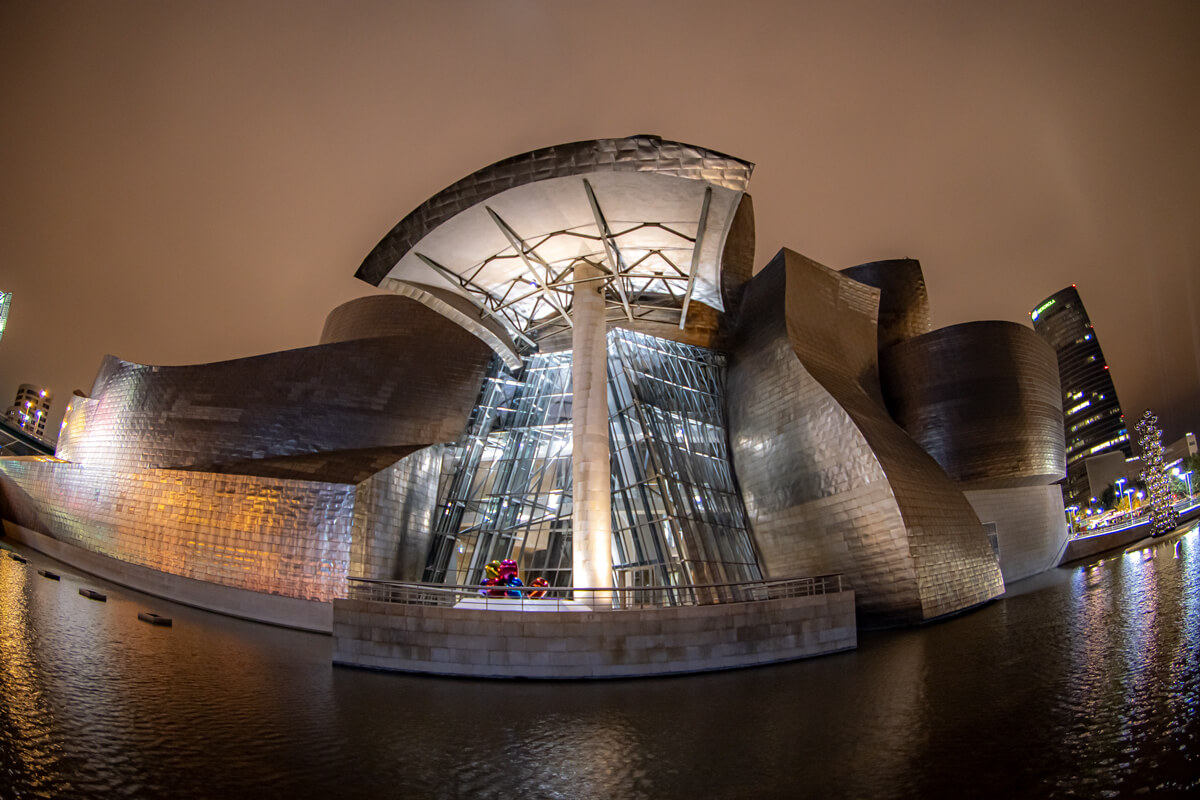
(652, 215)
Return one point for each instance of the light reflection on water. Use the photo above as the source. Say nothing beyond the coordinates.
(1081, 683)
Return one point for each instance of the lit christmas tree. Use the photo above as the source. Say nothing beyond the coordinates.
(1163, 516)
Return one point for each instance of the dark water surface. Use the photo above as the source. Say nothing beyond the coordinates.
(1083, 682)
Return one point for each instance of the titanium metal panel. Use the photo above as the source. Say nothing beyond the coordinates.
(830, 483)
(983, 399)
(903, 301)
(334, 412)
(291, 538)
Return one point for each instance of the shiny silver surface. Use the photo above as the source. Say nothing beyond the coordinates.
(325, 413)
(393, 518)
(830, 483)
(903, 301)
(266, 535)
(291, 538)
(983, 399)
(651, 215)
(635, 154)
(243, 473)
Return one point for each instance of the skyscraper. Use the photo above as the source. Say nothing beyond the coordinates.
(1092, 415)
(5, 300)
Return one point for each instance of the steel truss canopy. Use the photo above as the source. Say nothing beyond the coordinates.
(651, 214)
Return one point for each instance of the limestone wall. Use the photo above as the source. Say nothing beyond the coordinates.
(516, 644)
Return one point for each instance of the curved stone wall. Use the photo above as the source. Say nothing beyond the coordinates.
(903, 301)
(983, 399)
(334, 412)
(831, 484)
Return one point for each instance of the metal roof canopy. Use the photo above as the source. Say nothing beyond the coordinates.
(652, 215)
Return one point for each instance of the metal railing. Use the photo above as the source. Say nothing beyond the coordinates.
(1124, 521)
(576, 598)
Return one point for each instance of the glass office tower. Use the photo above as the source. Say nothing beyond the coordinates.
(5, 300)
(1092, 415)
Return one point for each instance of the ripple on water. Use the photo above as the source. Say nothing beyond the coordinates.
(1082, 683)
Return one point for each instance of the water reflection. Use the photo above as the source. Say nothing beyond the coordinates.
(1081, 683)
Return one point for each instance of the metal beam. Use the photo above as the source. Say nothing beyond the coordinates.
(463, 283)
(687, 297)
(528, 255)
(610, 246)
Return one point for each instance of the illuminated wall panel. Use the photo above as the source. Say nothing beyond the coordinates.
(278, 536)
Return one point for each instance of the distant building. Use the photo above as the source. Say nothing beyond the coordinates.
(1181, 448)
(5, 301)
(31, 409)
(1092, 416)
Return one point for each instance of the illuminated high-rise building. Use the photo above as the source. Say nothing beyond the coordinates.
(5, 300)
(1092, 415)
(31, 408)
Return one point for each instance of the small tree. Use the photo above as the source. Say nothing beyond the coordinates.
(1109, 499)
(1163, 516)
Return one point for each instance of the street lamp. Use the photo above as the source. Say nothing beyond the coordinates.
(1129, 501)
(1119, 482)
(1187, 476)
(1071, 518)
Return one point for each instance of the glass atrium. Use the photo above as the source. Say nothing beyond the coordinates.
(677, 517)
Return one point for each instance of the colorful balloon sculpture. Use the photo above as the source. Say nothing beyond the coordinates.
(502, 580)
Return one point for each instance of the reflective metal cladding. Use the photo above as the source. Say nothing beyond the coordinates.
(903, 302)
(327, 412)
(983, 399)
(431, 429)
(830, 482)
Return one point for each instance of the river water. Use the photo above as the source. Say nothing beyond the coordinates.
(1082, 682)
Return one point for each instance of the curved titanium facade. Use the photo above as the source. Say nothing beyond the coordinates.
(903, 302)
(982, 398)
(154, 448)
(326, 413)
(830, 483)
(737, 260)
(376, 454)
(1093, 420)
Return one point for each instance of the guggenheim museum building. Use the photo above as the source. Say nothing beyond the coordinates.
(573, 364)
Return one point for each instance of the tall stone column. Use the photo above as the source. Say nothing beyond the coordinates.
(591, 518)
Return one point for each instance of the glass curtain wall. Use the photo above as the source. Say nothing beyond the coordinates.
(509, 494)
(678, 519)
